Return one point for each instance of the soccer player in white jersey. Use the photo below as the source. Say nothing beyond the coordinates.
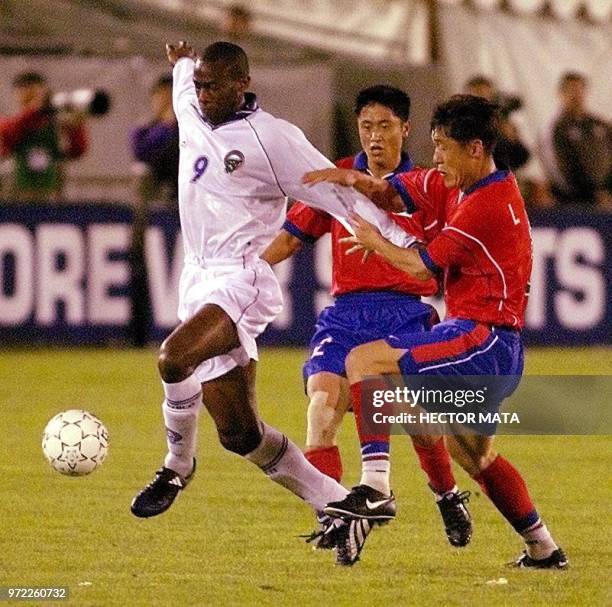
(237, 166)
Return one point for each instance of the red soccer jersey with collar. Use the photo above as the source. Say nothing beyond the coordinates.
(482, 241)
(349, 274)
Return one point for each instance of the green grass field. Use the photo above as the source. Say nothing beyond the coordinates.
(231, 538)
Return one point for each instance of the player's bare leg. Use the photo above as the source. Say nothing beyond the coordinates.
(230, 400)
(372, 498)
(506, 488)
(208, 333)
(329, 399)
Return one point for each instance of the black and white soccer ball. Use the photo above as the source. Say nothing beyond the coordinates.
(75, 442)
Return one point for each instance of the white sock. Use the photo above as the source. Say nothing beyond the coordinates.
(181, 409)
(286, 465)
(375, 473)
(539, 542)
(441, 496)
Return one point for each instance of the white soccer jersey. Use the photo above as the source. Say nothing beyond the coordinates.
(235, 177)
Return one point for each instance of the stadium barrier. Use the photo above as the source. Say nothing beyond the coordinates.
(67, 278)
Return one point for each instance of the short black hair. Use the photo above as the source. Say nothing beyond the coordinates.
(396, 100)
(230, 54)
(26, 78)
(467, 117)
(568, 77)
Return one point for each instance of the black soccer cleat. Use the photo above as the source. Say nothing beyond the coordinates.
(160, 493)
(350, 540)
(364, 502)
(324, 538)
(457, 519)
(557, 560)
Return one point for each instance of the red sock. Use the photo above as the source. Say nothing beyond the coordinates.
(327, 460)
(368, 431)
(506, 488)
(435, 462)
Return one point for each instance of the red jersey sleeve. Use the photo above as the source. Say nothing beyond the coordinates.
(458, 242)
(306, 223)
(426, 198)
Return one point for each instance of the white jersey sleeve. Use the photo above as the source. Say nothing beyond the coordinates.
(291, 155)
(183, 90)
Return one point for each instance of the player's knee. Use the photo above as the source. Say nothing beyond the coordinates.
(357, 363)
(482, 461)
(323, 420)
(475, 463)
(242, 442)
(171, 367)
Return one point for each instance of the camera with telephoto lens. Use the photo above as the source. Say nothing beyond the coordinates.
(87, 101)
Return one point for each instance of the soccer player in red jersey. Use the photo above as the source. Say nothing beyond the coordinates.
(372, 301)
(484, 250)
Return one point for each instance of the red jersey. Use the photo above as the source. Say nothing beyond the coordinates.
(349, 274)
(483, 244)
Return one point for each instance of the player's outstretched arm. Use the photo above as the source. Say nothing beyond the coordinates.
(291, 155)
(368, 238)
(379, 191)
(183, 90)
(282, 247)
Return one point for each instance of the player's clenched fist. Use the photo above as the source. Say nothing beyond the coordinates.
(174, 52)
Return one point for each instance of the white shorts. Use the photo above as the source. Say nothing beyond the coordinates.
(246, 289)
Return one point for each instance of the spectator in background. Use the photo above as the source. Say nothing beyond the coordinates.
(156, 144)
(578, 149)
(39, 138)
(510, 151)
(236, 23)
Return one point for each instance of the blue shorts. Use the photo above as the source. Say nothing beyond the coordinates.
(359, 318)
(464, 348)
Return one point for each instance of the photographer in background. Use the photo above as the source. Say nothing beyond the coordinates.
(39, 138)
(510, 152)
